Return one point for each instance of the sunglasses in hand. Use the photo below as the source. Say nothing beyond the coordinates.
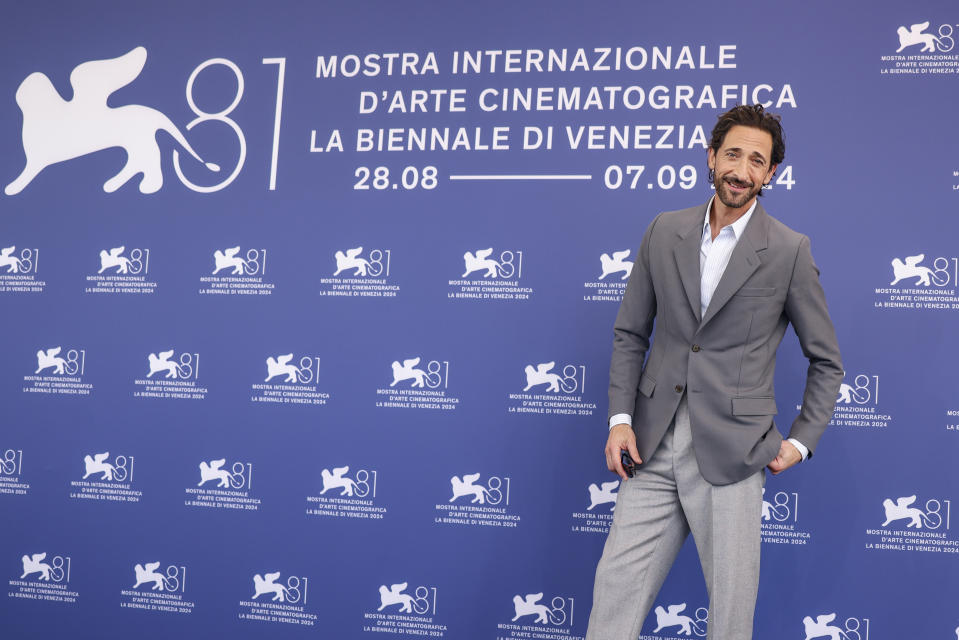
(629, 465)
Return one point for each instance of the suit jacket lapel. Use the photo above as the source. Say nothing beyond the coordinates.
(742, 264)
(686, 253)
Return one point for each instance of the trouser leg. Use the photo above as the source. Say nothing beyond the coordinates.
(726, 525)
(648, 531)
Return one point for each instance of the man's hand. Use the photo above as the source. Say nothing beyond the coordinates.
(621, 438)
(788, 456)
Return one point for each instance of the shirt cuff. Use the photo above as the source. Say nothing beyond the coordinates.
(803, 451)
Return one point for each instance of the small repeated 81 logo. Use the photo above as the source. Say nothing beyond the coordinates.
(864, 390)
(305, 371)
(941, 41)
(784, 507)
(293, 591)
(251, 263)
(942, 273)
(11, 462)
(938, 513)
(421, 602)
(72, 363)
(376, 265)
(558, 613)
(672, 616)
(239, 476)
(435, 375)
(119, 470)
(25, 261)
(56, 570)
(494, 492)
(507, 264)
(822, 627)
(361, 485)
(172, 578)
(571, 379)
(186, 367)
(138, 261)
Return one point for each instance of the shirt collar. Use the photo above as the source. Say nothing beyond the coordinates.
(737, 226)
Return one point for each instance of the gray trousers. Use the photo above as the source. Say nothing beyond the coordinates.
(655, 511)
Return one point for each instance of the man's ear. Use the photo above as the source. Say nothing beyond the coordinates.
(711, 159)
(769, 176)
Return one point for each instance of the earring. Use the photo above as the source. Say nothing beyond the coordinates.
(711, 175)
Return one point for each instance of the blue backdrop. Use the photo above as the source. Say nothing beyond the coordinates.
(344, 372)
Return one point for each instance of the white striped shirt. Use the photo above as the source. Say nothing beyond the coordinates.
(714, 254)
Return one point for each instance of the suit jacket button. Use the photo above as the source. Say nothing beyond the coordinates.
(695, 348)
(678, 388)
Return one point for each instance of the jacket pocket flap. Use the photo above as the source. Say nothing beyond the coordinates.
(754, 406)
(756, 291)
(646, 386)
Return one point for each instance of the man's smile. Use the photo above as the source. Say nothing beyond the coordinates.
(737, 186)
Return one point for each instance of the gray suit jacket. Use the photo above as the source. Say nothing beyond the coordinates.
(725, 360)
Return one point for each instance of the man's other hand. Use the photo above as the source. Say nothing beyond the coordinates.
(621, 438)
(788, 456)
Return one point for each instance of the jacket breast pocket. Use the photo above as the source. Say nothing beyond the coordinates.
(754, 292)
(765, 406)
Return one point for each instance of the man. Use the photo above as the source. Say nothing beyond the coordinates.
(721, 282)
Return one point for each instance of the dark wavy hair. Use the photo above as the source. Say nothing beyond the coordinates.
(750, 116)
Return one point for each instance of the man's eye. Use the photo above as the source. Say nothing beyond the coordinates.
(730, 154)
(758, 163)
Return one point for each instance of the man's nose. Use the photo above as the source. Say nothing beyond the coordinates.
(741, 166)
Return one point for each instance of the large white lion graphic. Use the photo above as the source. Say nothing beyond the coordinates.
(55, 129)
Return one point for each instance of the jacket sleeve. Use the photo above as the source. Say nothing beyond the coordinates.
(631, 333)
(806, 310)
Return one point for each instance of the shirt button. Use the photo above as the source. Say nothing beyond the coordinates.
(678, 388)
(695, 348)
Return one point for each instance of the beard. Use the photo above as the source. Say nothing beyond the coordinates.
(734, 200)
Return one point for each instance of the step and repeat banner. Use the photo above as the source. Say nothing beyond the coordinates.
(307, 310)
